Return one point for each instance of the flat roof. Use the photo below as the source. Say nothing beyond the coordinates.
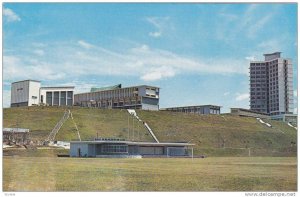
(26, 80)
(57, 87)
(15, 130)
(192, 106)
(118, 89)
(134, 143)
(114, 87)
(267, 54)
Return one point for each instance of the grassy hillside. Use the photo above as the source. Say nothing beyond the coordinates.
(218, 135)
(107, 123)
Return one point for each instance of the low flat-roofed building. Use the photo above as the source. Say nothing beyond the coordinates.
(115, 97)
(122, 148)
(248, 113)
(197, 109)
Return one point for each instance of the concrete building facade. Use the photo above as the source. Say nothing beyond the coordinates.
(57, 96)
(199, 109)
(25, 93)
(30, 92)
(136, 97)
(271, 85)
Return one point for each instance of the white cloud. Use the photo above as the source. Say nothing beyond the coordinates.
(250, 58)
(6, 98)
(155, 34)
(10, 16)
(72, 60)
(270, 45)
(248, 24)
(160, 24)
(226, 93)
(85, 44)
(39, 52)
(242, 97)
(258, 25)
(158, 73)
(28, 68)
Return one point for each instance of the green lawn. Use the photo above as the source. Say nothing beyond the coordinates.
(48, 173)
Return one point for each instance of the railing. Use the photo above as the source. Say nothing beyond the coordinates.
(55, 130)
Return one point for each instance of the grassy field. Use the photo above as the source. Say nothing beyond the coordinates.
(23, 172)
(213, 135)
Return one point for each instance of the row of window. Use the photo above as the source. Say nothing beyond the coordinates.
(58, 98)
(258, 106)
(108, 148)
(257, 97)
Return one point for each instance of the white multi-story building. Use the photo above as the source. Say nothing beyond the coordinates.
(271, 85)
(30, 92)
(25, 93)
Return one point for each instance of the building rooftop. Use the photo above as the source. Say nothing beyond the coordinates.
(192, 106)
(275, 53)
(26, 80)
(271, 56)
(134, 143)
(57, 87)
(15, 130)
(95, 89)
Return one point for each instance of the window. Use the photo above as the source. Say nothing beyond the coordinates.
(49, 98)
(63, 98)
(70, 98)
(56, 98)
(107, 148)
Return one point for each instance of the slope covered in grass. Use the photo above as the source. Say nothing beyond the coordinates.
(90, 122)
(218, 135)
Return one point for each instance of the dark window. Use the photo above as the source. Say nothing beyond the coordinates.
(70, 98)
(63, 98)
(114, 148)
(56, 98)
(49, 98)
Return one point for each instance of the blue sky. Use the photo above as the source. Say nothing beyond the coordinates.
(196, 53)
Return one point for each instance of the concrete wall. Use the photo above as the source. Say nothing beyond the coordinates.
(74, 149)
(60, 91)
(34, 89)
(23, 93)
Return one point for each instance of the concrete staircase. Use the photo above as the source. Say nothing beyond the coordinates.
(55, 130)
(133, 112)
